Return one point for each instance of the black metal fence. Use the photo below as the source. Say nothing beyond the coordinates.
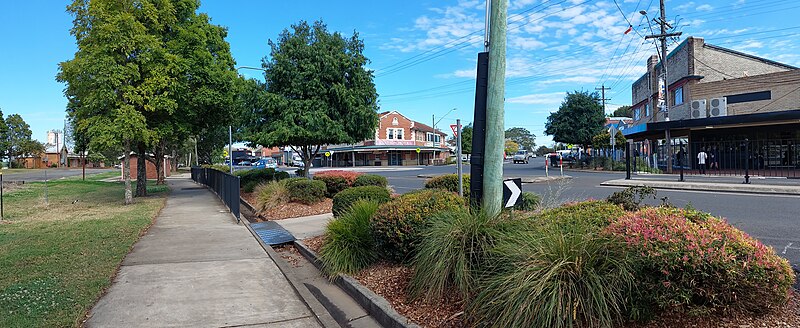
(226, 186)
(764, 157)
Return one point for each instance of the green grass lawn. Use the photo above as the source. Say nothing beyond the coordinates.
(57, 258)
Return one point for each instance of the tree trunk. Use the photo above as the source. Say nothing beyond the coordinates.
(83, 166)
(159, 162)
(126, 173)
(141, 170)
(306, 154)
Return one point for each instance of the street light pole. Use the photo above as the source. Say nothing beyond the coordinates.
(433, 137)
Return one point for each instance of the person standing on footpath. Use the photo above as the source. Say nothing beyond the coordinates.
(701, 160)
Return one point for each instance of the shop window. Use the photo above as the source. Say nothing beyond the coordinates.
(678, 96)
(390, 133)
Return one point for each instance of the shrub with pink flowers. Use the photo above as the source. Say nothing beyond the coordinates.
(336, 180)
(687, 260)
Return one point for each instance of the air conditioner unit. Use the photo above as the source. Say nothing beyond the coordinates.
(718, 107)
(698, 109)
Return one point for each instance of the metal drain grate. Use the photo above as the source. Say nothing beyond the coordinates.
(272, 233)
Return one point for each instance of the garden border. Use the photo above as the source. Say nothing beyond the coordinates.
(377, 307)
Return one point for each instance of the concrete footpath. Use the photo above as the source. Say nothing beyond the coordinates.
(764, 186)
(196, 267)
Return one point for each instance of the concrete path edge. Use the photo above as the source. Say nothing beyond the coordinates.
(320, 313)
(377, 307)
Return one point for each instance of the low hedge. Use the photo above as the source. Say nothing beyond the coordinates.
(449, 182)
(305, 191)
(595, 213)
(257, 175)
(371, 180)
(398, 223)
(346, 198)
(336, 180)
(687, 260)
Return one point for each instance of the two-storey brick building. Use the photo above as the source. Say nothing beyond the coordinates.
(398, 140)
(741, 109)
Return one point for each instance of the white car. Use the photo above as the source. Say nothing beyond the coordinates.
(520, 157)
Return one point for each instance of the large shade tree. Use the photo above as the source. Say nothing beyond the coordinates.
(318, 92)
(18, 137)
(121, 73)
(524, 138)
(579, 118)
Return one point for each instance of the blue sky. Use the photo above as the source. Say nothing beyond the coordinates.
(424, 52)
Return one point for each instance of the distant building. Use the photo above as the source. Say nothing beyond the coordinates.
(398, 140)
(742, 108)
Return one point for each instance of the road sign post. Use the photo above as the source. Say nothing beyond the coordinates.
(512, 189)
(418, 150)
(457, 132)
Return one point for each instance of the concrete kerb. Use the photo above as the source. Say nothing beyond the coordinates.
(377, 307)
(703, 186)
(538, 179)
(320, 313)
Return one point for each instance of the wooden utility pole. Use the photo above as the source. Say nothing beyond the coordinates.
(662, 22)
(603, 99)
(495, 112)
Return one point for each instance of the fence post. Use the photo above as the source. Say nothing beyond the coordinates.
(681, 156)
(627, 160)
(746, 161)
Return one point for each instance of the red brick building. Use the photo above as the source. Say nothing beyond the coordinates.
(151, 168)
(398, 140)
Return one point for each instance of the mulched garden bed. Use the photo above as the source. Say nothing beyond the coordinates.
(289, 210)
(390, 281)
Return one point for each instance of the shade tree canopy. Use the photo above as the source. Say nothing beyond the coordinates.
(579, 118)
(318, 91)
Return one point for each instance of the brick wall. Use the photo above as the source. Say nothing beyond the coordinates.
(151, 168)
(783, 86)
(388, 122)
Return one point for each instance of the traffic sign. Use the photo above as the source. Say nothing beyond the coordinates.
(327, 154)
(512, 189)
(454, 127)
(418, 150)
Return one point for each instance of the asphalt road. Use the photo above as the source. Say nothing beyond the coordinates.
(773, 219)
(52, 174)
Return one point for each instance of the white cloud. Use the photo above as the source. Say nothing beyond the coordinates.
(553, 98)
(705, 7)
(685, 6)
(525, 43)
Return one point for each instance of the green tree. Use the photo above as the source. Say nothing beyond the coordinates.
(544, 150)
(523, 137)
(623, 111)
(466, 140)
(603, 140)
(4, 151)
(18, 136)
(318, 92)
(511, 147)
(121, 74)
(579, 118)
(206, 87)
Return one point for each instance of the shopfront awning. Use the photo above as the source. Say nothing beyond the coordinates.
(721, 122)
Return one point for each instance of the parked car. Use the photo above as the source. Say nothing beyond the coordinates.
(299, 163)
(520, 157)
(245, 163)
(266, 163)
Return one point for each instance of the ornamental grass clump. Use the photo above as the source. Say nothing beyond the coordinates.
(691, 261)
(398, 223)
(349, 246)
(271, 194)
(555, 276)
(452, 252)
